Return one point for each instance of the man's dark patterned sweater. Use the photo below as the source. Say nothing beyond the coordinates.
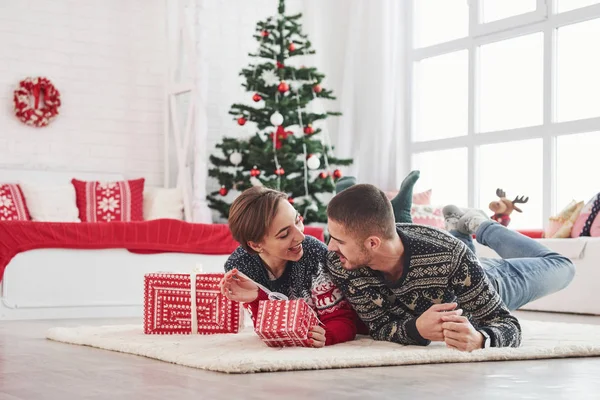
(438, 268)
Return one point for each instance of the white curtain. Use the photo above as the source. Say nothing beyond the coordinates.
(200, 211)
(371, 89)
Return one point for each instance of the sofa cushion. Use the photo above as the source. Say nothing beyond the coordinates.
(12, 203)
(110, 201)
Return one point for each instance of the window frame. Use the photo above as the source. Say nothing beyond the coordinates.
(546, 21)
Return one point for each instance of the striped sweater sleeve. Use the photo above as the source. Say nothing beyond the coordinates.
(392, 324)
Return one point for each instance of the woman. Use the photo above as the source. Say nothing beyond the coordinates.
(275, 254)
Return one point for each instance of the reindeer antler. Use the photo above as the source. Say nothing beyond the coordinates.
(521, 200)
(500, 193)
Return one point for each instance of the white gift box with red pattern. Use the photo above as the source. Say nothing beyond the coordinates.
(171, 307)
(285, 323)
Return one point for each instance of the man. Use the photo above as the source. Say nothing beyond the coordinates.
(413, 284)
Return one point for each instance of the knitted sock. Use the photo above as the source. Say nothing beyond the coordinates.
(402, 203)
(470, 221)
(344, 183)
(451, 216)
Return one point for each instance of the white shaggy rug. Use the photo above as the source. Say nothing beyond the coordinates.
(245, 353)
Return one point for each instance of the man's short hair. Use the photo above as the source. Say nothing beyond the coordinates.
(363, 210)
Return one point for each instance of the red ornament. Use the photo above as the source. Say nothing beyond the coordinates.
(257, 97)
(323, 175)
(37, 114)
(279, 171)
(337, 174)
(280, 135)
(317, 88)
(291, 200)
(254, 172)
(223, 191)
(283, 87)
(292, 47)
(280, 65)
(265, 34)
(242, 121)
(308, 129)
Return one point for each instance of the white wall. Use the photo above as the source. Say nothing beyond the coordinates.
(107, 59)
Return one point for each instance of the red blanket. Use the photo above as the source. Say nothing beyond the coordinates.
(163, 235)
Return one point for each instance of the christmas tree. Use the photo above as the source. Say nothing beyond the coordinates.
(290, 150)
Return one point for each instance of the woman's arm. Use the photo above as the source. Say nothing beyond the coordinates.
(340, 325)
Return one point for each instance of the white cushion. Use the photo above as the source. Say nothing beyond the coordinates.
(163, 203)
(51, 203)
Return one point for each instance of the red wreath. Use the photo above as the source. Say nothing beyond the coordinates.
(37, 115)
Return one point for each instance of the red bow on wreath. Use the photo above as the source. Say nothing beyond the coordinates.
(280, 135)
(38, 115)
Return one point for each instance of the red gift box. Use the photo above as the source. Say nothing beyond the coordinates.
(283, 323)
(169, 305)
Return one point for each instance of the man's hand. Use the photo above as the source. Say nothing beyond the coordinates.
(459, 334)
(429, 324)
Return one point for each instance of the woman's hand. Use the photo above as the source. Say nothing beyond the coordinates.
(238, 287)
(317, 336)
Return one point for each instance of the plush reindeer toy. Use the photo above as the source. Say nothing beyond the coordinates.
(504, 207)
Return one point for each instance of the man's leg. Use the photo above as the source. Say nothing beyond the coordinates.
(527, 270)
(466, 239)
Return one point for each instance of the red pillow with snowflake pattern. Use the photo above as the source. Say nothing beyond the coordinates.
(12, 204)
(121, 201)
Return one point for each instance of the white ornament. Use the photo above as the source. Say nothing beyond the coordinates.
(254, 181)
(270, 78)
(313, 162)
(277, 118)
(235, 158)
(313, 206)
(295, 85)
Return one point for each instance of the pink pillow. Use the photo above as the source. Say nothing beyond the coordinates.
(427, 215)
(583, 217)
(110, 201)
(423, 198)
(12, 204)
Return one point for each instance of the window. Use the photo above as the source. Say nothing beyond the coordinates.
(493, 10)
(439, 21)
(511, 83)
(505, 94)
(568, 5)
(576, 168)
(515, 167)
(450, 183)
(578, 67)
(441, 90)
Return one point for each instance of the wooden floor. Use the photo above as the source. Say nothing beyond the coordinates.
(33, 368)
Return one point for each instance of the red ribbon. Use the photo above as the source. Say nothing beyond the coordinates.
(36, 95)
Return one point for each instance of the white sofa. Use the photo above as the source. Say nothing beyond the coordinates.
(70, 283)
(63, 283)
(579, 296)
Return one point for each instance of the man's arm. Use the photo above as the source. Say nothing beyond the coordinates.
(399, 328)
(481, 302)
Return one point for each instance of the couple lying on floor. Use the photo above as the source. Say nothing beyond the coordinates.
(398, 282)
